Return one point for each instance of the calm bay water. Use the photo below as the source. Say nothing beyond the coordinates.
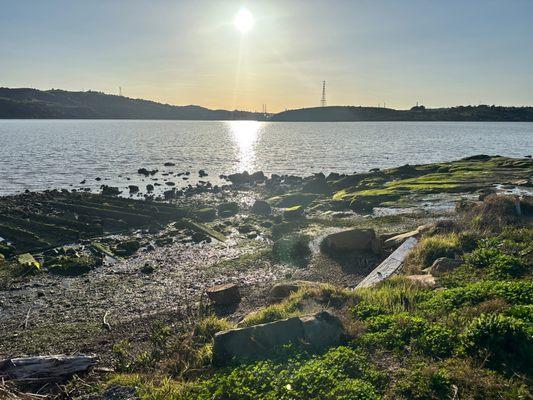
(46, 154)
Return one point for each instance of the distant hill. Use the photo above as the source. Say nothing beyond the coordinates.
(33, 103)
(461, 113)
(62, 104)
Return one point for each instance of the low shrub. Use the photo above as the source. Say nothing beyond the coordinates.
(394, 332)
(514, 292)
(501, 340)
(498, 264)
(437, 341)
(421, 382)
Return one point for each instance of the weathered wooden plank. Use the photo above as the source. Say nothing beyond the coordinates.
(390, 265)
(128, 217)
(22, 238)
(43, 229)
(44, 368)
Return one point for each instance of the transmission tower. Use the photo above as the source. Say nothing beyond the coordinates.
(323, 100)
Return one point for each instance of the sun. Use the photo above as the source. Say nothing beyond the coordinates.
(244, 20)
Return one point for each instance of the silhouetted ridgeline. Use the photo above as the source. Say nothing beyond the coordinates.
(461, 113)
(32, 103)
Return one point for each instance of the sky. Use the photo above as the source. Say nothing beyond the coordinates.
(440, 53)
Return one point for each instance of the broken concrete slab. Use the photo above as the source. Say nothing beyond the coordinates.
(317, 331)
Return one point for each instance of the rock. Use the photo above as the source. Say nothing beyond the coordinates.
(261, 207)
(205, 214)
(281, 291)
(425, 280)
(133, 188)
(169, 194)
(258, 176)
(202, 173)
(28, 261)
(228, 209)
(149, 188)
(319, 331)
(397, 240)
(349, 240)
(128, 247)
(443, 264)
(317, 184)
(170, 183)
(145, 172)
(110, 190)
(293, 213)
(224, 294)
(169, 164)
(322, 330)
(239, 178)
(147, 268)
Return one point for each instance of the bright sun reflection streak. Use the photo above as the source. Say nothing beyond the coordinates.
(245, 135)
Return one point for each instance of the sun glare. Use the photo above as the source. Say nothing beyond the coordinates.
(244, 20)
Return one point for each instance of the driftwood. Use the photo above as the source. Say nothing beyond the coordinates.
(390, 265)
(44, 368)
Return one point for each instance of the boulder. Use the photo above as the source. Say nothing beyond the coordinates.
(349, 240)
(317, 184)
(224, 294)
(256, 341)
(239, 178)
(318, 331)
(133, 188)
(261, 207)
(149, 188)
(110, 191)
(258, 176)
(444, 264)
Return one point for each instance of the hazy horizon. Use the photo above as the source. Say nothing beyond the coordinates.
(278, 54)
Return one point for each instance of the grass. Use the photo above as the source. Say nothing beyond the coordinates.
(469, 338)
(432, 247)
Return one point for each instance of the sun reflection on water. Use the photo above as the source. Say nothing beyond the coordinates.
(245, 135)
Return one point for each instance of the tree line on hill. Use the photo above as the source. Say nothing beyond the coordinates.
(60, 104)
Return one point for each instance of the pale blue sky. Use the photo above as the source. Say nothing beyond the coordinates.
(440, 53)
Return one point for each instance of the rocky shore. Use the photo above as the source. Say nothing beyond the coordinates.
(82, 272)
